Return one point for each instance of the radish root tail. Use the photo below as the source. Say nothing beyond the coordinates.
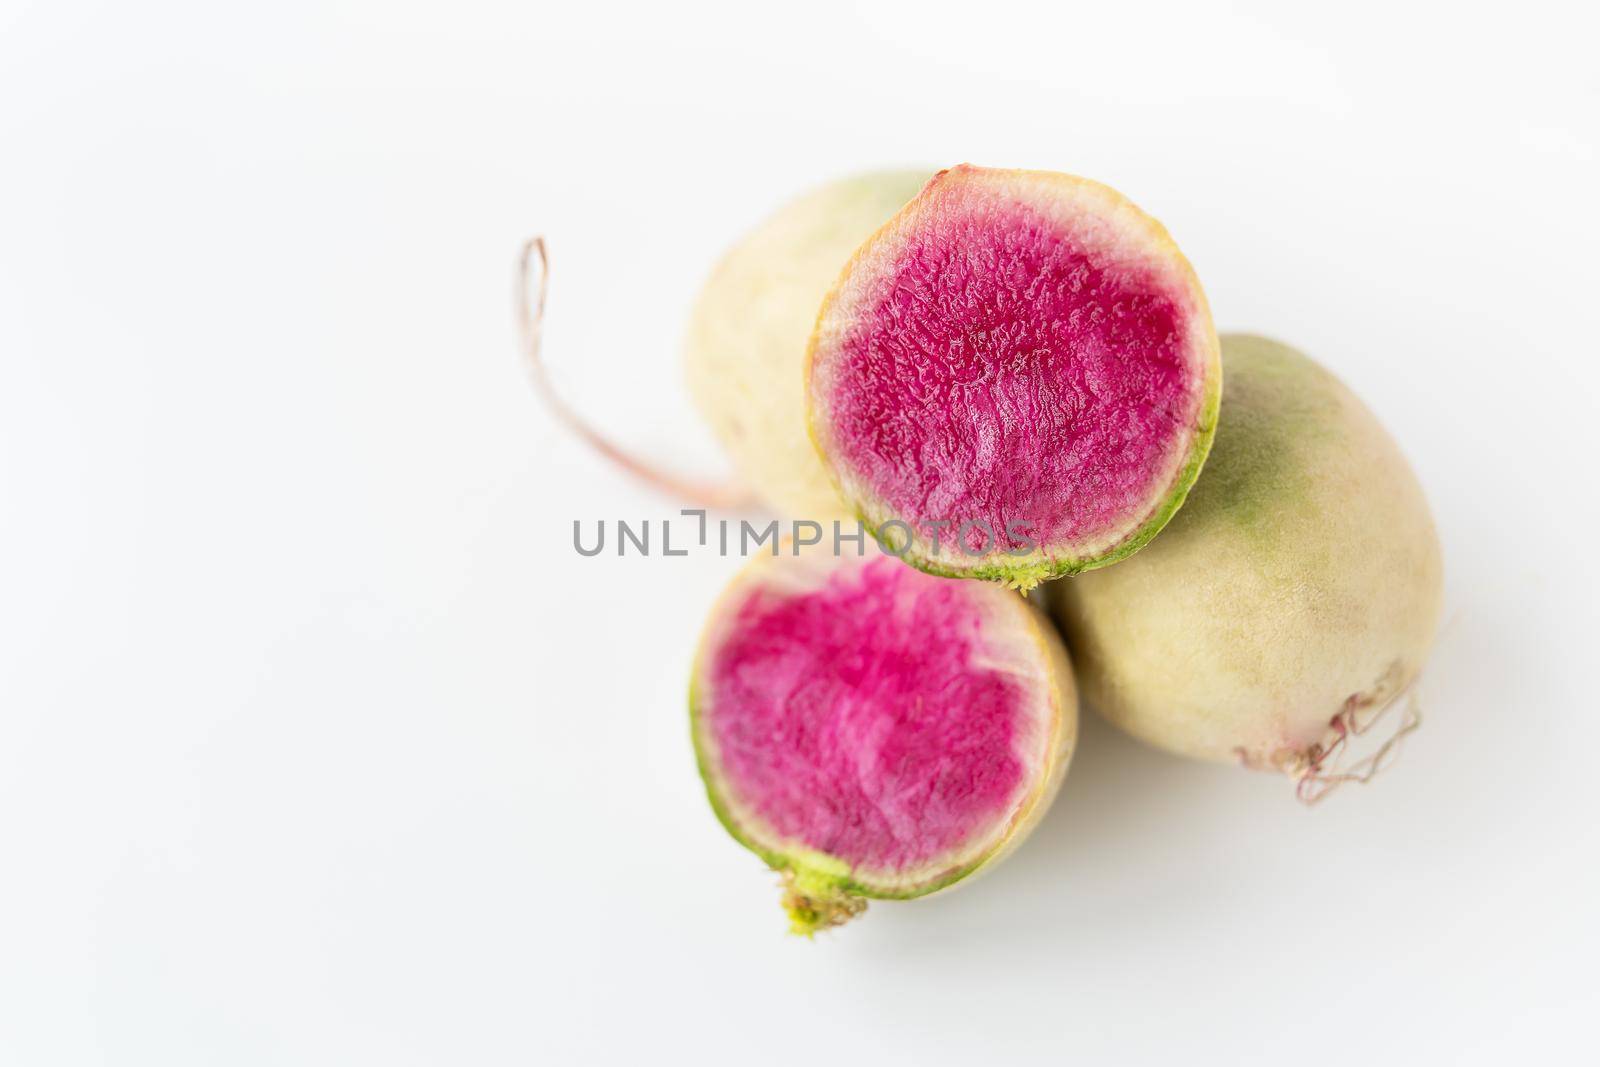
(532, 286)
(1316, 772)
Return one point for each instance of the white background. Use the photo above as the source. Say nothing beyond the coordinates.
(320, 745)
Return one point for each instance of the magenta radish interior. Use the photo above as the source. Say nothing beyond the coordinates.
(891, 720)
(1006, 353)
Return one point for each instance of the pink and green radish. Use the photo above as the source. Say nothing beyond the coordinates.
(1015, 378)
(873, 732)
(1293, 599)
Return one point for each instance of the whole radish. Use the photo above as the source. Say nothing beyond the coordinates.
(1290, 603)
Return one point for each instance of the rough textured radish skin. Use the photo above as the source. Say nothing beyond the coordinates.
(747, 336)
(1016, 346)
(1303, 571)
(872, 731)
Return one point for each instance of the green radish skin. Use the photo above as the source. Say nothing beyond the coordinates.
(746, 344)
(1295, 595)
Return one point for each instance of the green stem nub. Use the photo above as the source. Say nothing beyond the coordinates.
(817, 902)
